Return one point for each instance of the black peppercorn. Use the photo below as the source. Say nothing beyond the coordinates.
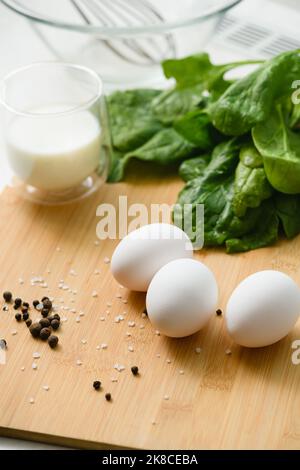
(135, 370)
(35, 329)
(25, 316)
(56, 317)
(35, 303)
(55, 324)
(26, 305)
(24, 310)
(18, 302)
(28, 322)
(47, 304)
(16, 307)
(45, 298)
(44, 322)
(97, 385)
(219, 312)
(18, 316)
(45, 312)
(107, 396)
(7, 296)
(45, 333)
(53, 341)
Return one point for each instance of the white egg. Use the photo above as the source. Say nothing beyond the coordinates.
(181, 297)
(145, 250)
(263, 309)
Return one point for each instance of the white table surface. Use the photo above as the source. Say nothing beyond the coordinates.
(23, 49)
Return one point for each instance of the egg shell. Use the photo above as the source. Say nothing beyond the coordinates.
(263, 309)
(181, 298)
(145, 250)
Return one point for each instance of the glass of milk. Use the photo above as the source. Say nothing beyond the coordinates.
(56, 131)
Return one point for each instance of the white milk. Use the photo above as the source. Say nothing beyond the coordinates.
(55, 152)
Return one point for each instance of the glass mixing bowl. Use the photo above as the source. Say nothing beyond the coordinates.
(124, 41)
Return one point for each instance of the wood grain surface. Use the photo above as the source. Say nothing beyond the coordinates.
(249, 399)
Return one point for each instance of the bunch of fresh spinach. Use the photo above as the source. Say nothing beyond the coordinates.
(237, 142)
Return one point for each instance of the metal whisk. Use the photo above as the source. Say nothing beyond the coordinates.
(125, 14)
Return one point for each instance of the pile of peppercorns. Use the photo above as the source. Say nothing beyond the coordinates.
(43, 328)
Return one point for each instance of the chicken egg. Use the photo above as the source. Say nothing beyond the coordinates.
(145, 250)
(182, 297)
(263, 309)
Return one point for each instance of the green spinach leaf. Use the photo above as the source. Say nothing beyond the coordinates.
(280, 148)
(288, 211)
(131, 119)
(250, 101)
(193, 167)
(196, 127)
(251, 186)
(164, 148)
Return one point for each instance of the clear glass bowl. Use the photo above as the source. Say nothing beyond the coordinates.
(123, 40)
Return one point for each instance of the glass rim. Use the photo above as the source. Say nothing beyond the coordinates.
(110, 31)
(4, 81)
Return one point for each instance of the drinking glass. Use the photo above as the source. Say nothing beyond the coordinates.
(56, 131)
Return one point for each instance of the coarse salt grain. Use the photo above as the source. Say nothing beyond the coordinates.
(46, 388)
(102, 318)
(77, 319)
(114, 379)
(144, 315)
(94, 293)
(198, 350)
(128, 334)
(181, 372)
(108, 304)
(96, 242)
(97, 271)
(104, 346)
(131, 324)
(228, 352)
(21, 281)
(158, 355)
(22, 368)
(106, 260)
(81, 313)
(14, 332)
(130, 348)
(36, 355)
(31, 401)
(168, 361)
(166, 397)
(78, 362)
(125, 301)
(72, 272)
(157, 333)
(34, 366)
(83, 341)
(142, 327)
(119, 367)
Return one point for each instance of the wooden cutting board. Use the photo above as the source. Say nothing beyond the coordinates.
(249, 399)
